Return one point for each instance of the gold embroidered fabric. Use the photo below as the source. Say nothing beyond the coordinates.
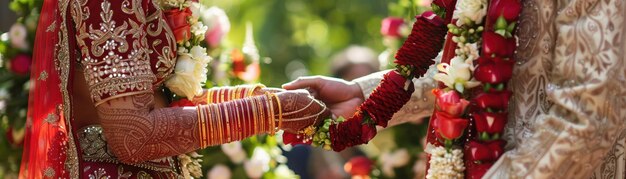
(568, 111)
(119, 41)
(94, 148)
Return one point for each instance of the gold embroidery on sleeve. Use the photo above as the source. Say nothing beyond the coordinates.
(110, 73)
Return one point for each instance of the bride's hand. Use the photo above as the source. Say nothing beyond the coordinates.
(300, 110)
(261, 91)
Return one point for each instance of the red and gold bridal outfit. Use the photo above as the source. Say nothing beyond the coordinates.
(124, 48)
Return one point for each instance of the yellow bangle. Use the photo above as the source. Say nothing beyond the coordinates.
(280, 111)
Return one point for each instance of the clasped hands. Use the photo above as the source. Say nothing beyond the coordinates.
(306, 96)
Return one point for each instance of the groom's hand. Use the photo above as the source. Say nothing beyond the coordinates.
(342, 97)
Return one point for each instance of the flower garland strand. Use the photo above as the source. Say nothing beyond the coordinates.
(494, 70)
(481, 121)
(412, 59)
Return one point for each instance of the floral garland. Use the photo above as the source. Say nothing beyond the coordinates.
(413, 59)
(467, 121)
(191, 70)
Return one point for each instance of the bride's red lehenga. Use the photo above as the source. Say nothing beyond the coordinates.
(56, 147)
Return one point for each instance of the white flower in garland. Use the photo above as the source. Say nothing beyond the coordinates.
(470, 10)
(190, 72)
(457, 75)
(444, 164)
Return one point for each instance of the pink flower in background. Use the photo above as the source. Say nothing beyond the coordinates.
(17, 35)
(391, 26)
(219, 26)
(20, 64)
(425, 3)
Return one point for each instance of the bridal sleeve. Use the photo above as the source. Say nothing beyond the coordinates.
(586, 92)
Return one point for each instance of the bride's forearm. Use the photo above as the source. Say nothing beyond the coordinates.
(135, 133)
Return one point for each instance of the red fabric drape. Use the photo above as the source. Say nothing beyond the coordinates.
(46, 137)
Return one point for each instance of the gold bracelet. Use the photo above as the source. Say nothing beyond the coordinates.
(212, 125)
(209, 94)
(262, 118)
(199, 114)
(271, 113)
(280, 111)
(220, 126)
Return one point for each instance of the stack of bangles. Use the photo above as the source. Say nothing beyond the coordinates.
(224, 94)
(238, 119)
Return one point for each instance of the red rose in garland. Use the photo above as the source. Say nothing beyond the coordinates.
(494, 70)
(493, 100)
(496, 45)
(450, 102)
(490, 122)
(482, 152)
(448, 127)
(177, 20)
(509, 9)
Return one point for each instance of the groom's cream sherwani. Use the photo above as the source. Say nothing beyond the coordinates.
(567, 117)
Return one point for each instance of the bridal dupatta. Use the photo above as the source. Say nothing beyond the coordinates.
(49, 148)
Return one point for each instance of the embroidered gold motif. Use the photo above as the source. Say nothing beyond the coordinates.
(62, 63)
(143, 175)
(43, 76)
(122, 174)
(52, 118)
(51, 26)
(99, 174)
(49, 172)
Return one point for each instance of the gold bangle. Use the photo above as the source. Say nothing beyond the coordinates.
(199, 124)
(280, 111)
(220, 126)
(212, 125)
(208, 96)
(270, 112)
(272, 127)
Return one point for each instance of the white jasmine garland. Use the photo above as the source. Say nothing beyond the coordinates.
(470, 10)
(444, 164)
